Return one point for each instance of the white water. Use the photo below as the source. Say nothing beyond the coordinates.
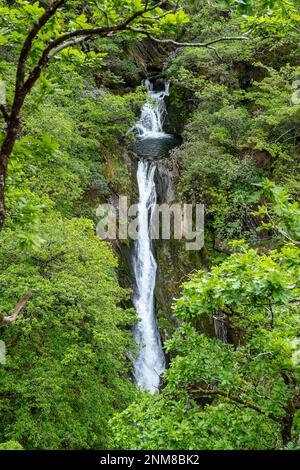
(150, 124)
(150, 361)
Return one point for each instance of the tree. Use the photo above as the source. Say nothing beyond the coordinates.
(280, 16)
(66, 370)
(40, 34)
(228, 396)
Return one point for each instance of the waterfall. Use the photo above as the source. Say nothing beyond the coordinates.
(150, 361)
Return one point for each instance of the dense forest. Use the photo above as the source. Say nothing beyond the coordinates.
(72, 88)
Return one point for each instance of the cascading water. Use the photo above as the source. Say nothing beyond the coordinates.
(150, 361)
(153, 114)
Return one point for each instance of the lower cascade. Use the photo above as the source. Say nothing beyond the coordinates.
(150, 361)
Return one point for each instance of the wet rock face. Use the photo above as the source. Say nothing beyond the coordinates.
(167, 173)
(168, 272)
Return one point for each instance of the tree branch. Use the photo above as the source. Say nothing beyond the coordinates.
(285, 235)
(66, 45)
(158, 17)
(57, 45)
(271, 314)
(4, 112)
(64, 41)
(280, 231)
(215, 51)
(139, 13)
(18, 308)
(294, 28)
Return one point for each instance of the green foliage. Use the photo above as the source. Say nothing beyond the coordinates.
(63, 151)
(242, 122)
(66, 381)
(220, 396)
(242, 129)
(66, 371)
(246, 283)
(71, 17)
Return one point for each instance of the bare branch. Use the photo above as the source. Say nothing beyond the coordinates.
(215, 51)
(271, 315)
(186, 44)
(18, 308)
(285, 235)
(38, 25)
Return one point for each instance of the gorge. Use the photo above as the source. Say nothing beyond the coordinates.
(136, 342)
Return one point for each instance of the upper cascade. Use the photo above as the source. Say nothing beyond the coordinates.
(150, 124)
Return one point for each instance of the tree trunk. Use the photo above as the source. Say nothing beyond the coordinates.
(287, 425)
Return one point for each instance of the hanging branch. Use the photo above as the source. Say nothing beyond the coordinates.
(187, 44)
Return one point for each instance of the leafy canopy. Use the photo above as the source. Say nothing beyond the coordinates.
(228, 396)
